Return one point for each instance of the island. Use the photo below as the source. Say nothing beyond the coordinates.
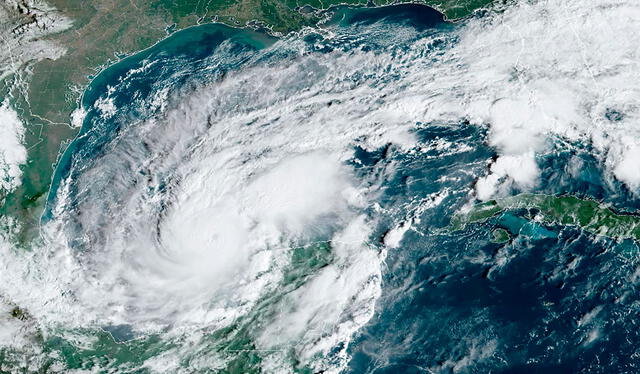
(588, 215)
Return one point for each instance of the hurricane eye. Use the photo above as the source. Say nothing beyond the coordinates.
(613, 115)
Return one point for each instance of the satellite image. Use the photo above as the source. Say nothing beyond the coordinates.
(320, 186)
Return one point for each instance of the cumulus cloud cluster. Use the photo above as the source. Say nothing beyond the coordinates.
(188, 219)
(12, 152)
(549, 69)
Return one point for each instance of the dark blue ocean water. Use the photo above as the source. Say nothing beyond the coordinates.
(551, 300)
(460, 303)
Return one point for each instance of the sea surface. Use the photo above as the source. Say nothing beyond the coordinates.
(240, 203)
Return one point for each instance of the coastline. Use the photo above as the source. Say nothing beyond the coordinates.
(54, 140)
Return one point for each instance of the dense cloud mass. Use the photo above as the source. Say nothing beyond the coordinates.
(191, 218)
(12, 152)
(24, 26)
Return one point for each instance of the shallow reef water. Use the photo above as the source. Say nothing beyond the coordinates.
(240, 203)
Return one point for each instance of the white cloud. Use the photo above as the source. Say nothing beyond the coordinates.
(545, 69)
(189, 218)
(12, 152)
(627, 165)
(77, 117)
(24, 41)
(521, 170)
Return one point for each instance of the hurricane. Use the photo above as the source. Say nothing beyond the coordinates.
(236, 202)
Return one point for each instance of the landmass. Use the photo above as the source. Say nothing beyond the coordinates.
(500, 236)
(588, 215)
(55, 47)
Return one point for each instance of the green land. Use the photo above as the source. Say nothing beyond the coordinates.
(588, 215)
(500, 236)
(105, 31)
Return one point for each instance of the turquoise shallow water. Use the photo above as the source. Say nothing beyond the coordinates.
(184, 53)
(551, 300)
